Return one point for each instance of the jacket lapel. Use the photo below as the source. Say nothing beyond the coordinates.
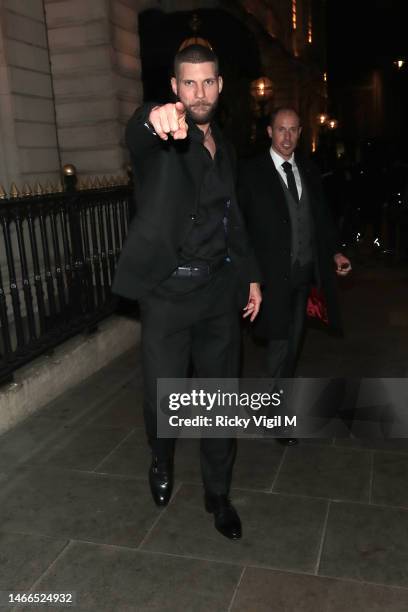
(306, 177)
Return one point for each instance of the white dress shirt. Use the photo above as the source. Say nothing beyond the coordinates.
(278, 160)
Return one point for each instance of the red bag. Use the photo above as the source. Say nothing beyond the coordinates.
(316, 305)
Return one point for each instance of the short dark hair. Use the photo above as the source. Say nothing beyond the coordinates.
(195, 54)
(282, 109)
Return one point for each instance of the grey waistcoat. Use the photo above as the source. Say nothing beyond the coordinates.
(302, 227)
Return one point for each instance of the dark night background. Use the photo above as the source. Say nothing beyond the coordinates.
(364, 38)
(362, 34)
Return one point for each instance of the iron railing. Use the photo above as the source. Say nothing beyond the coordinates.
(58, 251)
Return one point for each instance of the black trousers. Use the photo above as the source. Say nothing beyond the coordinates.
(192, 321)
(282, 355)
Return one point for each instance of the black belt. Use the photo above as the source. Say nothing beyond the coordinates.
(198, 270)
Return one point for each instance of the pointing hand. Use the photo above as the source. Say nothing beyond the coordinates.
(169, 119)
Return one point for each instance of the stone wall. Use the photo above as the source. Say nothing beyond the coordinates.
(126, 62)
(96, 70)
(29, 148)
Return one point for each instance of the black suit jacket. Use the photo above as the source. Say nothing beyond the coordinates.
(262, 199)
(167, 183)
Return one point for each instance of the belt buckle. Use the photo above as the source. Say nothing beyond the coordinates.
(186, 271)
(190, 271)
(197, 270)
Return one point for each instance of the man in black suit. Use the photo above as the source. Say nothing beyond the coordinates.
(185, 257)
(294, 241)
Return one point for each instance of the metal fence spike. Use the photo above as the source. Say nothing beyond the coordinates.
(3, 194)
(27, 191)
(38, 189)
(49, 187)
(14, 192)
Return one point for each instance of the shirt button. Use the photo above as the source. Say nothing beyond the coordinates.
(193, 217)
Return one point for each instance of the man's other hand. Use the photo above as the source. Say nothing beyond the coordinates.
(343, 264)
(169, 119)
(254, 302)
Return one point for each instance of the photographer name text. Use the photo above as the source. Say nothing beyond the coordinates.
(235, 421)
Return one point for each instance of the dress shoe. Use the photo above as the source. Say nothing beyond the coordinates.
(288, 441)
(226, 519)
(161, 481)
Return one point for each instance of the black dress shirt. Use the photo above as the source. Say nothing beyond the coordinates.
(207, 240)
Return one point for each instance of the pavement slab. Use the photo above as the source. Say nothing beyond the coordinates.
(264, 590)
(24, 558)
(108, 579)
(278, 531)
(366, 543)
(71, 504)
(322, 471)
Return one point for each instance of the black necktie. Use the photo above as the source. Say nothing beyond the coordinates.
(287, 166)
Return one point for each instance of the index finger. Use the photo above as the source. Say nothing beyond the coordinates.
(180, 109)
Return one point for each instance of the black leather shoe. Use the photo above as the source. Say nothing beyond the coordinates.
(226, 519)
(288, 441)
(161, 481)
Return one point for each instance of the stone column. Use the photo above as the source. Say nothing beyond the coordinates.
(95, 60)
(28, 149)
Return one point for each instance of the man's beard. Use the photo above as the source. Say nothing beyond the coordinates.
(201, 118)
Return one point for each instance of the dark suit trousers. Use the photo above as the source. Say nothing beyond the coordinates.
(192, 321)
(282, 355)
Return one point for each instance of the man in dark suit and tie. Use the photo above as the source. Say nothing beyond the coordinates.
(294, 241)
(185, 257)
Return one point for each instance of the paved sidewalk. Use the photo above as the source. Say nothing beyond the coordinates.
(325, 524)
